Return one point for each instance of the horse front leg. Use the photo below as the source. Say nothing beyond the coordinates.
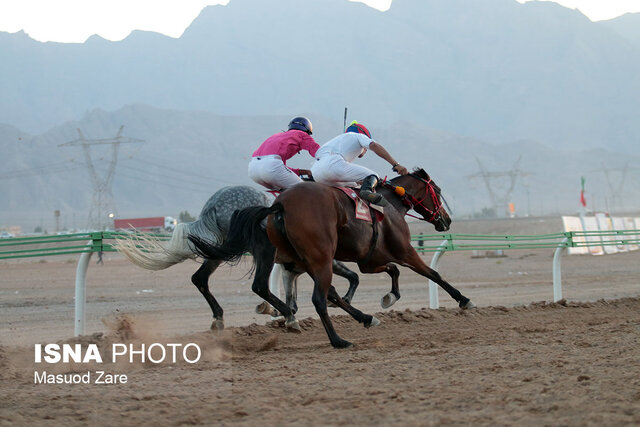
(366, 319)
(414, 262)
(392, 270)
(201, 281)
(341, 270)
(394, 295)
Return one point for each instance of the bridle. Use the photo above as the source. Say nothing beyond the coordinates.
(411, 201)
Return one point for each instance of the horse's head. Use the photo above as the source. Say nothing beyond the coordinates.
(422, 195)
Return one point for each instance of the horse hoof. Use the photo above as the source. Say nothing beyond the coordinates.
(264, 308)
(468, 305)
(388, 300)
(374, 322)
(293, 325)
(217, 325)
(342, 344)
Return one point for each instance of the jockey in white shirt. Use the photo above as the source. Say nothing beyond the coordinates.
(333, 165)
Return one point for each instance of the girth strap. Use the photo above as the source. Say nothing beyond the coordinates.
(374, 240)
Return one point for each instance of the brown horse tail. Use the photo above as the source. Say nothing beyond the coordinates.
(278, 222)
(246, 234)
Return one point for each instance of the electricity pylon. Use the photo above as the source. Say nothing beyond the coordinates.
(615, 190)
(500, 202)
(102, 205)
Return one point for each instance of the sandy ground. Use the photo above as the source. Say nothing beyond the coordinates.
(515, 360)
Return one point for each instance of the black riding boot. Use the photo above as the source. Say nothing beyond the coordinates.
(367, 191)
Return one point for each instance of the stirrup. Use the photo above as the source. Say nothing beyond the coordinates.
(375, 198)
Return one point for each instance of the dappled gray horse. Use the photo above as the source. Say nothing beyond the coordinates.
(153, 253)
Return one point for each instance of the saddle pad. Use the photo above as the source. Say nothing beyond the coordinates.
(362, 208)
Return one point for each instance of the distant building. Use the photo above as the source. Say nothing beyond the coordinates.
(14, 230)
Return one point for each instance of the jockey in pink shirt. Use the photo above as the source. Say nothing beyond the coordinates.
(268, 166)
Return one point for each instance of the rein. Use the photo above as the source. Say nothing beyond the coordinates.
(410, 201)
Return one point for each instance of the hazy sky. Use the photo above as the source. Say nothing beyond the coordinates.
(76, 20)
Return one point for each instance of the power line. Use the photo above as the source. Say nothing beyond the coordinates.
(164, 184)
(43, 170)
(164, 176)
(187, 173)
(182, 176)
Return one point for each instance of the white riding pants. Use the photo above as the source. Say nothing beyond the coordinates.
(332, 169)
(270, 172)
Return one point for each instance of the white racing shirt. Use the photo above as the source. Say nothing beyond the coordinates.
(349, 145)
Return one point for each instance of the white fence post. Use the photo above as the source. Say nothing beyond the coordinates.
(433, 287)
(81, 285)
(557, 269)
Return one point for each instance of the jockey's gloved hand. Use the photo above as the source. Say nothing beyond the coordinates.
(400, 169)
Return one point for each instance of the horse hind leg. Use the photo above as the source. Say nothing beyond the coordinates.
(201, 281)
(274, 287)
(290, 282)
(322, 284)
(264, 257)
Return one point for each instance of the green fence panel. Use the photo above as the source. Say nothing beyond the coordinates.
(102, 241)
(64, 244)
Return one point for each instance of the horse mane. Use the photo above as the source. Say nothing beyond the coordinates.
(419, 172)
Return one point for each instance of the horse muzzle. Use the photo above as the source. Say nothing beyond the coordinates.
(441, 223)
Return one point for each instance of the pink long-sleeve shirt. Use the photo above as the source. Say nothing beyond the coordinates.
(287, 144)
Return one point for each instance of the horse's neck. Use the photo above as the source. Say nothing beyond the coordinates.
(410, 184)
(394, 199)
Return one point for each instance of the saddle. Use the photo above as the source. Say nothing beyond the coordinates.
(363, 208)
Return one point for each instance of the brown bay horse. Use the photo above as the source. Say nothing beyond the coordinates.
(310, 224)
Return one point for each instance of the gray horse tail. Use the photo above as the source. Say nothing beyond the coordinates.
(212, 225)
(153, 253)
(246, 234)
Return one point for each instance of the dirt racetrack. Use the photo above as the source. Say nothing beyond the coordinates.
(515, 360)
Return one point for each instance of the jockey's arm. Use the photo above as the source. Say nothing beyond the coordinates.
(309, 144)
(383, 153)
